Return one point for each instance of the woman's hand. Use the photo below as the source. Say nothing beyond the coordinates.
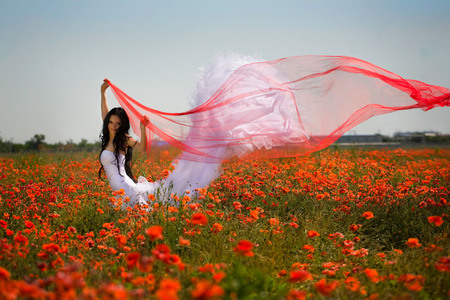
(144, 122)
(104, 86)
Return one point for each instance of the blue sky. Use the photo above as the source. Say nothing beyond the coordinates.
(55, 54)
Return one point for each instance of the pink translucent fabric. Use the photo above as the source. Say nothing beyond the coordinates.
(286, 107)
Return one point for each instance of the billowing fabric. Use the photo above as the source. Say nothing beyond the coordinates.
(286, 107)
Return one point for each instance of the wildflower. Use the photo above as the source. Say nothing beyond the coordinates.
(183, 242)
(296, 295)
(20, 239)
(29, 224)
(199, 219)
(293, 224)
(312, 233)
(309, 248)
(121, 240)
(413, 243)
(168, 289)
(398, 251)
(237, 205)
(274, 221)
(437, 220)
(372, 274)
(161, 252)
(120, 192)
(443, 264)
(244, 248)
(155, 233)
(3, 224)
(205, 289)
(354, 227)
(217, 277)
(51, 248)
(133, 259)
(254, 214)
(216, 227)
(367, 215)
(4, 274)
(335, 235)
(360, 252)
(352, 284)
(71, 189)
(299, 266)
(412, 282)
(325, 288)
(299, 276)
(208, 268)
(282, 273)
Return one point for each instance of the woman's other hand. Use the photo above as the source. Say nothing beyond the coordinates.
(104, 86)
(144, 122)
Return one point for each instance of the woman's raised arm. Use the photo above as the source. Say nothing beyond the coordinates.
(142, 145)
(105, 109)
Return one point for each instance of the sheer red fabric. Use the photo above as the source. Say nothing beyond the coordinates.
(286, 107)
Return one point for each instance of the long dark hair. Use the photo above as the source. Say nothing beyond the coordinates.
(120, 140)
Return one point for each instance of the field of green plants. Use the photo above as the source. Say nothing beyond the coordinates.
(339, 223)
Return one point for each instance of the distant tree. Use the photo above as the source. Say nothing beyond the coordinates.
(83, 143)
(35, 143)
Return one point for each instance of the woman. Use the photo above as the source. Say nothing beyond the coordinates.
(117, 151)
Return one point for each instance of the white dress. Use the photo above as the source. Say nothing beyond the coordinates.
(118, 179)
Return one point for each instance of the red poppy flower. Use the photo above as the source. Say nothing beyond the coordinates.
(183, 242)
(199, 219)
(325, 288)
(354, 227)
(310, 248)
(443, 264)
(216, 227)
(133, 259)
(413, 243)
(299, 276)
(237, 205)
(367, 215)
(437, 220)
(372, 274)
(155, 233)
(21, 239)
(296, 295)
(312, 233)
(4, 274)
(3, 224)
(244, 248)
(206, 290)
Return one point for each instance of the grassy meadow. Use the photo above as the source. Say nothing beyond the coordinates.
(339, 223)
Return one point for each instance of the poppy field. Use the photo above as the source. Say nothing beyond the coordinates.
(339, 223)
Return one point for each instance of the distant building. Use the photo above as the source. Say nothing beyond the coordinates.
(415, 137)
(360, 139)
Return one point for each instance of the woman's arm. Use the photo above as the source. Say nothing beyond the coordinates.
(142, 145)
(105, 109)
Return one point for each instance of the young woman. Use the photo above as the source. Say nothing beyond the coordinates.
(117, 152)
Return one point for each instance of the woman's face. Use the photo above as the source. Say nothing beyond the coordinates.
(113, 125)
